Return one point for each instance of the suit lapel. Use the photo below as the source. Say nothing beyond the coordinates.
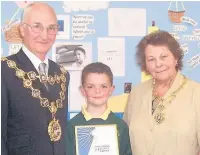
(26, 65)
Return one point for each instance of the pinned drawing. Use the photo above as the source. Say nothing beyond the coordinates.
(12, 33)
(153, 27)
(11, 28)
(175, 12)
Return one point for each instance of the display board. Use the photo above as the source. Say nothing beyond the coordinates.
(109, 33)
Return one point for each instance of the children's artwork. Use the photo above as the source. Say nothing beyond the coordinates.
(176, 10)
(189, 21)
(64, 27)
(73, 56)
(11, 31)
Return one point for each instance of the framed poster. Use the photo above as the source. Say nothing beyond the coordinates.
(97, 140)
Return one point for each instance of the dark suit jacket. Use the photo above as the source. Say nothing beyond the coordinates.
(24, 123)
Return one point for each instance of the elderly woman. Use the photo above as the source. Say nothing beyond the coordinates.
(163, 113)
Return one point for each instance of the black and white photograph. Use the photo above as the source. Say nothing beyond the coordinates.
(73, 56)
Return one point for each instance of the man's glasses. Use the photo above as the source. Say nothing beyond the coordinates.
(38, 28)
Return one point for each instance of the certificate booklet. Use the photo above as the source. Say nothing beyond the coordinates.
(96, 140)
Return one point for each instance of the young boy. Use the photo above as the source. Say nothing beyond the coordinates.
(97, 87)
(80, 57)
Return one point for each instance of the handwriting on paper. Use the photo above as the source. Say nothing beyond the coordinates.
(194, 61)
(80, 26)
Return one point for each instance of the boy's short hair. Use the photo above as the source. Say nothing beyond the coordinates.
(79, 49)
(96, 67)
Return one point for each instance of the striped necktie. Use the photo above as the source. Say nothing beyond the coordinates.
(42, 71)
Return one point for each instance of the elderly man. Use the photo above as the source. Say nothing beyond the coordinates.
(34, 90)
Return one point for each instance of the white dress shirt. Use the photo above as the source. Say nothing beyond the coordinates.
(35, 60)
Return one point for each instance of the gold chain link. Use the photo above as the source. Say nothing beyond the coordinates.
(54, 128)
(163, 102)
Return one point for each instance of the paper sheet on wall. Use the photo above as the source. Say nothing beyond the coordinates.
(14, 48)
(126, 22)
(80, 25)
(111, 51)
(76, 100)
(1, 52)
